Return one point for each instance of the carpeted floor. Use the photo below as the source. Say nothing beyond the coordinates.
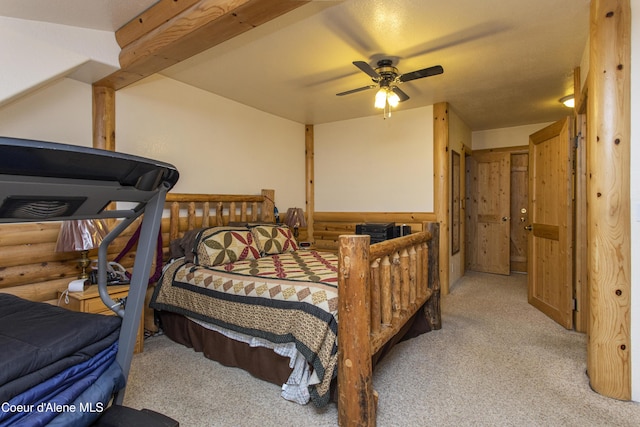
(497, 361)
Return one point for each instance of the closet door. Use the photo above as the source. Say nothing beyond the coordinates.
(489, 213)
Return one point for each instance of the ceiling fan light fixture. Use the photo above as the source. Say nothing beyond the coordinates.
(393, 99)
(381, 98)
(386, 77)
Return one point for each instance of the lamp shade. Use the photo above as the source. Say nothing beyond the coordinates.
(393, 99)
(381, 98)
(568, 101)
(295, 218)
(81, 235)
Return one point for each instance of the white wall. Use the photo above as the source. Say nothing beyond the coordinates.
(635, 201)
(35, 53)
(505, 137)
(59, 112)
(364, 165)
(218, 145)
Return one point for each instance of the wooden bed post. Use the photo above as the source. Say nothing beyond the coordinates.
(268, 205)
(356, 403)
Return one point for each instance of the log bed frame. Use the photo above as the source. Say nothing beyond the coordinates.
(380, 287)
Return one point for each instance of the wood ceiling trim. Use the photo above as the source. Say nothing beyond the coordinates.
(197, 28)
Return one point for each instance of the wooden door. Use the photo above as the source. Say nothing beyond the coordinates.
(550, 212)
(489, 213)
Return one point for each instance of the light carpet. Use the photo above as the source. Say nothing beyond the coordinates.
(497, 361)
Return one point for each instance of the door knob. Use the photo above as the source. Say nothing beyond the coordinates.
(528, 227)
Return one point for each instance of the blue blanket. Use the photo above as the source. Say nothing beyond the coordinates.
(38, 341)
(57, 395)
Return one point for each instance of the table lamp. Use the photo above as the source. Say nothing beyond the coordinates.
(81, 236)
(295, 219)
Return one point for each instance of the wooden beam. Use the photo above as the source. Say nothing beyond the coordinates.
(150, 19)
(197, 28)
(442, 185)
(310, 185)
(104, 118)
(609, 140)
(578, 95)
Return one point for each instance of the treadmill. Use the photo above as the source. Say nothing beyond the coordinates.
(47, 181)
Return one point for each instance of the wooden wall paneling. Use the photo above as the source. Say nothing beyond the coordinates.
(463, 209)
(609, 123)
(455, 202)
(471, 211)
(519, 201)
(442, 186)
(310, 181)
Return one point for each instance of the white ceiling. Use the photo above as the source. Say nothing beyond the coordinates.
(105, 15)
(506, 63)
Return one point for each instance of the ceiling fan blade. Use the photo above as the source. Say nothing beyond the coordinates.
(348, 92)
(403, 96)
(425, 72)
(367, 69)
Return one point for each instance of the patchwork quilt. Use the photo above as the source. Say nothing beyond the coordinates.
(288, 297)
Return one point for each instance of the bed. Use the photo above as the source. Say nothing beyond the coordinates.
(59, 367)
(241, 290)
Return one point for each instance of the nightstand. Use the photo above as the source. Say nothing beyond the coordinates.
(89, 301)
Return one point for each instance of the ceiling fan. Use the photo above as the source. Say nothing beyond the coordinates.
(387, 78)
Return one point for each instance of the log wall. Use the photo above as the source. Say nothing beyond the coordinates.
(30, 267)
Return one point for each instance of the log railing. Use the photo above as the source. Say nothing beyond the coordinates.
(329, 226)
(380, 289)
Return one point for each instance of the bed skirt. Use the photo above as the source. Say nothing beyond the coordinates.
(260, 362)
